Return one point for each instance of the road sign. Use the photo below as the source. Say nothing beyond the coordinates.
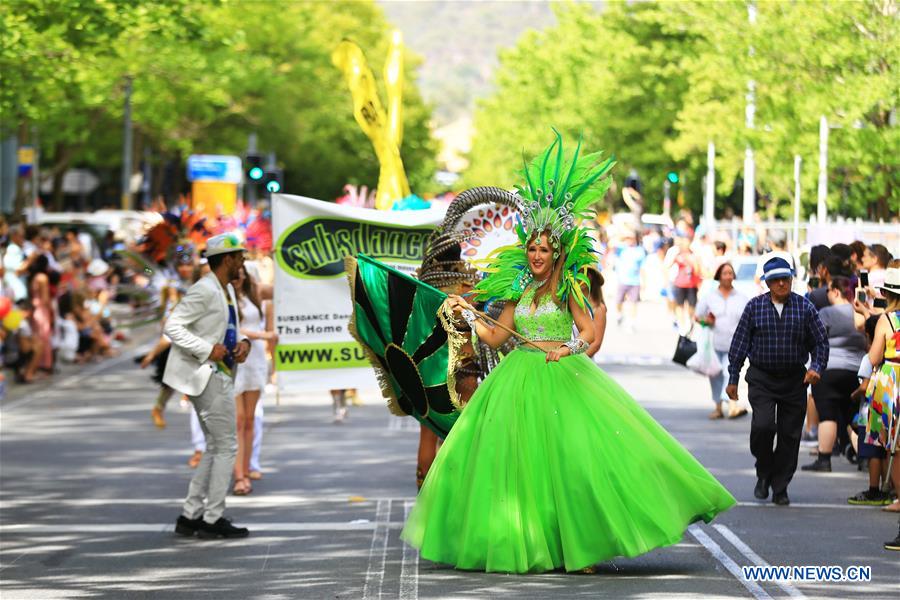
(26, 156)
(212, 167)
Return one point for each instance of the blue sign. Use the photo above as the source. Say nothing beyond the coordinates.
(211, 167)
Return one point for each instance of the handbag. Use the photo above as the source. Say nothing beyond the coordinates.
(685, 348)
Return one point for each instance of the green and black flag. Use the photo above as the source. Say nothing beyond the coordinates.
(395, 318)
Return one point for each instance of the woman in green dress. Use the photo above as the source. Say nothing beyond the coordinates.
(552, 464)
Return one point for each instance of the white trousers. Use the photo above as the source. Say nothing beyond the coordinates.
(216, 412)
(198, 440)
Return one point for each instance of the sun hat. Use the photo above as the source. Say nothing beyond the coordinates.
(891, 281)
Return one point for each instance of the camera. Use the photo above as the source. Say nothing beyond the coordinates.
(864, 279)
(861, 296)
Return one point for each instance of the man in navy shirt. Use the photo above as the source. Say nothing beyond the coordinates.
(778, 331)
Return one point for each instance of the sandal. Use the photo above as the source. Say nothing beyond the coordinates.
(420, 479)
(738, 413)
(240, 487)
(255, 475)
(716, 414)
(893, 507)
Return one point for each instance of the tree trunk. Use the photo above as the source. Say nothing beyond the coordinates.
(62, 157)
(20, 200)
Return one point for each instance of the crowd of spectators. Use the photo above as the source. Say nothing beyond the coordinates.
(61, 283)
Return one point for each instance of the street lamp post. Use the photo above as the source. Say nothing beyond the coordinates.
(250, 186)
(126, 148)
(822, 207)
(797, 162)
(709, 199)
(749, 164)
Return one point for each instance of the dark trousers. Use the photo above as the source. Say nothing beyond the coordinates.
(779, 407)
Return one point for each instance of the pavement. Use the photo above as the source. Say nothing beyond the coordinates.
(90, 489)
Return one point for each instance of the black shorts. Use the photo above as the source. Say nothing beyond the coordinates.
(832, 395)
(868, 450)
(683, 295)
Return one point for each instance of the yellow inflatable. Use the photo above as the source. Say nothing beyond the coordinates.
(385, 129)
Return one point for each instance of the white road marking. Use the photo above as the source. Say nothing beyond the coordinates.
(270, 527)
(727, 562)
(755, 558)
(409, 565)
(378, 552)
(266, 559)
(645, 360)
(275, 500)
(762, 504)
(279, 500)
(402, 424)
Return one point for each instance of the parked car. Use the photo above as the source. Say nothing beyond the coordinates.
(128, 224)
(744, 281)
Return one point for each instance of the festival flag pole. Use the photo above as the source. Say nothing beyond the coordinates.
(514, 333)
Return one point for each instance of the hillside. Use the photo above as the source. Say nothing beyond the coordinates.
(459, 42)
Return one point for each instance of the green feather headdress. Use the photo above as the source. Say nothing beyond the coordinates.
(559, 191)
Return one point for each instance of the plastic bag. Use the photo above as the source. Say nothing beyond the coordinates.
(705, 361)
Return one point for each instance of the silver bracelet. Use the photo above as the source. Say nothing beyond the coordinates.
(576, 346)
(470, 317)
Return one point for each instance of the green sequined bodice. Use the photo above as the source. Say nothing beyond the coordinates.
(547, 323)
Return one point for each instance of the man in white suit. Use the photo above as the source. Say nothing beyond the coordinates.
(205, 353)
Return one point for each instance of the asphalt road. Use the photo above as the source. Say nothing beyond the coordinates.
(89, 491)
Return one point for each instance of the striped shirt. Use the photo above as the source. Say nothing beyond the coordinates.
(778, 344)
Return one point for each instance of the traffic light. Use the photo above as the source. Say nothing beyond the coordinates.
(273, 181)
(672, 176)
(254, 169)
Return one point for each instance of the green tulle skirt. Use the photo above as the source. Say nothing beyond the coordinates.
(554, 465)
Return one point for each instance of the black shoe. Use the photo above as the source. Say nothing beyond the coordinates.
(894, 544)
(761, 490)
(870, 498)
(188, 527)
(221, 529)
(822, 465)
(851, 455)
(781, 499)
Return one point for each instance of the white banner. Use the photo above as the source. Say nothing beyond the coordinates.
(312, 298)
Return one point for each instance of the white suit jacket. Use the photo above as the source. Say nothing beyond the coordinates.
(197, 323)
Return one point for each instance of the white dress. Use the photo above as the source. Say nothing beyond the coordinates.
(253, 373)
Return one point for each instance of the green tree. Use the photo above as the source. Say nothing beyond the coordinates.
(609, 76)
(655, 82)
(205, 75)
(809, 59)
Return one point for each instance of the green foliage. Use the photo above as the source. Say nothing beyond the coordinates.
(655, 82)
(205, 74)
